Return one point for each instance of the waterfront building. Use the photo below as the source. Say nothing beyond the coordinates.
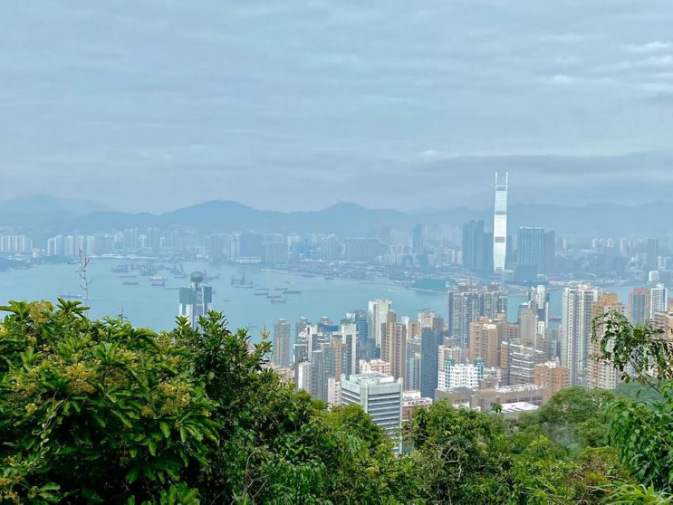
(196, 300)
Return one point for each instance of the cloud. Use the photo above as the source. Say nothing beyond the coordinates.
(650, 47)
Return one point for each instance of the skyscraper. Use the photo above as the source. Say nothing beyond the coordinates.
(281, 343)
(378, 315)
(394, 346)
(658, 300)
(531, 250)
(602, 374)
(417, 239)
(652, 253)
(575, 332)
(431, 339)
(195, 301)
(638, 306)
(468, 303)
(477, 252)
(500, 222)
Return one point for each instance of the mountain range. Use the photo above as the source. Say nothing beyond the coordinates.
(347, 219)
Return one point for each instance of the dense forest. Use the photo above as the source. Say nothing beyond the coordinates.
(103, 412)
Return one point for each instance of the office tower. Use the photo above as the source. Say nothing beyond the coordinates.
(431, 339)
(394, 346)
(417, 239)
(196, 300)
(639, 301)
(281, 343)
(349, 336)
(552, 376)
(378, 315)
(652, 254)
(658, 301)
(549, 264)
(485, 339)
(575, 331)
(412, 378)
(425, 318)
(500, 222)
(453, 375)
(365, 346)
(602, 374)
(468, 303)
(380, 396)
(531, 252)
(477, 253)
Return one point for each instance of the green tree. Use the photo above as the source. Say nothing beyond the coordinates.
(96, 410)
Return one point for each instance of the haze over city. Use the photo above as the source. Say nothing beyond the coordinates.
(336, 252)
(293, 105)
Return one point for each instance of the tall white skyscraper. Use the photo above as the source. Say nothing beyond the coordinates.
(378, 315)
(500, 222)
(575, 331)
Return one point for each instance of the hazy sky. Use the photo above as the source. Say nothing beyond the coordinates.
(297, 104)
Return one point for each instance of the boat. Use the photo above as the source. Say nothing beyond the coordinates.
(158, 280)
(179, 276)
(226, 300)
(291, 292)
(273, 297)
(279, 301)
(121, 269)
(129, 283)
(263, 293)
(127, 276)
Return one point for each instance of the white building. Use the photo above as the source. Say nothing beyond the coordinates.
(378, 315)
(460, 375)
(658, 300)
(575, 330)
(500, 222)
(380, 396)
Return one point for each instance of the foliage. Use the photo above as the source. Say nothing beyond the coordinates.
(100, 411)
(641, 430)
(95, 411)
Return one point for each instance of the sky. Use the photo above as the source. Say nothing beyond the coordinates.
(298, 104)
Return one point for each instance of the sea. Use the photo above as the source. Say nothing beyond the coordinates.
(156, 307)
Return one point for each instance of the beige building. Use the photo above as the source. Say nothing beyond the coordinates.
(552, 376)
(485, 338)
(394, 346)
(602, 374)
(375, 365)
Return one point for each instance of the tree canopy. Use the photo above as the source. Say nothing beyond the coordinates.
(98, 411)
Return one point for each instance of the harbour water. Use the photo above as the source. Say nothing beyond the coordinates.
(155, 306)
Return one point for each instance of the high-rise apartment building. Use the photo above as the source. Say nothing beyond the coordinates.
(602, 374)
(485, 339)
(658, 301)
(460, 375)
(652, 254)
(575, 331)
(378, 316)
(468, 304)
(394, 346)
(196, 300)
(417, 239)
(500, 222)
(380, 396)
(638, 309)
(431, 339)
(281, 343)
(552, 376)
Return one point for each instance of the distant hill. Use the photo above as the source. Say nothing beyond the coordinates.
(346, 219)
(41, 211)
